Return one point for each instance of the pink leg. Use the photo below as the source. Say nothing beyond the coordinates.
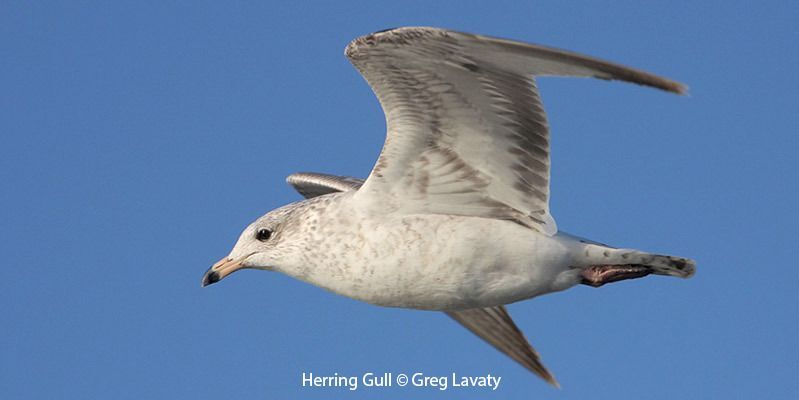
(598, 275)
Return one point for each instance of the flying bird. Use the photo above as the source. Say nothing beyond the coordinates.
(454, 215)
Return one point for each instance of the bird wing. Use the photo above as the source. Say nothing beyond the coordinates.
(495, 326)
(492, 324)
(466, 131)
(311, 184)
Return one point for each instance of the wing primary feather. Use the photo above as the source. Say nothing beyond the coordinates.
(467, 133)
(495, 326)
(524, 58)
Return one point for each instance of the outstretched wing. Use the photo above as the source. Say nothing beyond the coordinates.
(492, 324)
(466, 130)
(495, 326)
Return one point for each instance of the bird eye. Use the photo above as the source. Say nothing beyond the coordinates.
(263, 234)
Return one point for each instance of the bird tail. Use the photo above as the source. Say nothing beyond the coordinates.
(604, 264)
(670, 265)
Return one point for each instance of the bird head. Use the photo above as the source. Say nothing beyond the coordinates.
(262, 245)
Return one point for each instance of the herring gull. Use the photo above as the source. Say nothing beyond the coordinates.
(454, 215)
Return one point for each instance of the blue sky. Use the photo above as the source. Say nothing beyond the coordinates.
(138, 140)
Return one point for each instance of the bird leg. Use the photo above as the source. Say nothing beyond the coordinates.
(598, 275)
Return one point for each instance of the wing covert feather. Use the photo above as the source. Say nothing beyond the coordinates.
(466, 130)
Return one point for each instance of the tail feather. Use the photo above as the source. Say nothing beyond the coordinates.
(669, 265)
(599, 255)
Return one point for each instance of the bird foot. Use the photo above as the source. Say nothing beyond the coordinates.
(598, 275)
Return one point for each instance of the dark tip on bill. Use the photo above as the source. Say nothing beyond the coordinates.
(210, 277)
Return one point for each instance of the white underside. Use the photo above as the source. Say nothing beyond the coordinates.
(435, 262)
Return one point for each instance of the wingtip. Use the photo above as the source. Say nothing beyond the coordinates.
(680, 89)
(544, 374)
(647, 79)
(552, 381)
(690, 268)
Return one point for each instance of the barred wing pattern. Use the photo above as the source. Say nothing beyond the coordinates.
(466, 131)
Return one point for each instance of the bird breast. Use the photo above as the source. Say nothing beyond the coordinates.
(426, 261)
